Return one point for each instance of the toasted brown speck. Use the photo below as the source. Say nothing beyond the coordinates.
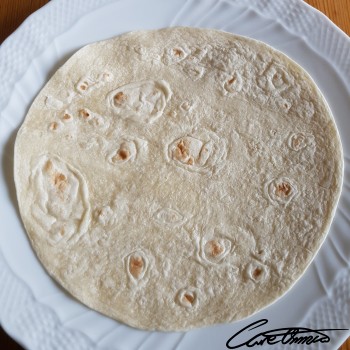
(123, 153)
(190, 161)
(48, 166)
(257, 272)
(136, 266)
(178, 52)
(84, 113)
(120, 98)
(296, 143)
(181, 151)
(189, 298)
(283, 189)
(60, 181)
(53, 126)
(232, 80)
(215, 248)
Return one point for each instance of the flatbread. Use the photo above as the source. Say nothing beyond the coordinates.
(178, 178)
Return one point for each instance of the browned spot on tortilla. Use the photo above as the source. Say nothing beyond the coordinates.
(123, 154)
(190, 161)
(232, 80)
(120, 98)
(53, 126)
(67, 116)
(84, 113)
(60, 181)
(296, 142)
(189, 298)
(215, 248)
(136, 265)
(257, 272)
(181, 151)
(284, 189)
(83, 87)
(178, 52)
(48, 166)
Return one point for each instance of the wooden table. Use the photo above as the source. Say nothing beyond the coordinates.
(13, 13)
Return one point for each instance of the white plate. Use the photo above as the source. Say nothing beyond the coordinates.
(40, 315)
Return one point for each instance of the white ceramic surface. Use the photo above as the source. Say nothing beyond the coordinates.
(34, 309)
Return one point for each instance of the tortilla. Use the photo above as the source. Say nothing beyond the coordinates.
(178, 178)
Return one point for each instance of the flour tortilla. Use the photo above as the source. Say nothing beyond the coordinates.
(178, 178)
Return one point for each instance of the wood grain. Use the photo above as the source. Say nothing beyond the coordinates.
(337, 11)
(14, 12)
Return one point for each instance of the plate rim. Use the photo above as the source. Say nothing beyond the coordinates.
(20, 67)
